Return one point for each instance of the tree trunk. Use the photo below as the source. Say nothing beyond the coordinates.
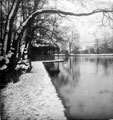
(9, 24)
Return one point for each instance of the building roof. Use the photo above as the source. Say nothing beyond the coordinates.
(45, 43)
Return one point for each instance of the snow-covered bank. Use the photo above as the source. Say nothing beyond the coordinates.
(32, 98)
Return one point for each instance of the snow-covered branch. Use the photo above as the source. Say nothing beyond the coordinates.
(55, 11)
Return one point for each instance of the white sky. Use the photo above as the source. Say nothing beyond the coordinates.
(87, 26)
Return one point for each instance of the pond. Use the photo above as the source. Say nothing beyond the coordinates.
(85, 86)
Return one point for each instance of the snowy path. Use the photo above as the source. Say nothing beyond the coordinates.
(32, 98)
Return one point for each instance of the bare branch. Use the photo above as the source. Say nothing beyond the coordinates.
(109, 19)
(55, 11)
(103, 19)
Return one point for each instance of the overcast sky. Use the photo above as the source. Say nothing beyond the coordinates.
(88, 27)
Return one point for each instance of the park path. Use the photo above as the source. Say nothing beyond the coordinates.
(32, 98)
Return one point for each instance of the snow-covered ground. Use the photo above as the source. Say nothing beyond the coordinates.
(32, 98)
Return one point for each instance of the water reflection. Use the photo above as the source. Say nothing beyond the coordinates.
(85, 84)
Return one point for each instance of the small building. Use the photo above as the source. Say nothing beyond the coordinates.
(43, 49)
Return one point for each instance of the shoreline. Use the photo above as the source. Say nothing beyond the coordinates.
(34, 97)
(84, 55)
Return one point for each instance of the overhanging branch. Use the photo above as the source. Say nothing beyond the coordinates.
(55, 11)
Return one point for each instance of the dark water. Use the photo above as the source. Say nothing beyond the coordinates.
(85, 85)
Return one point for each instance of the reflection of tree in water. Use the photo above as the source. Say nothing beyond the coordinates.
(66, 58)
(104, 61)
(68, 72)
(97, 64)
(66, 75)
(52, 70)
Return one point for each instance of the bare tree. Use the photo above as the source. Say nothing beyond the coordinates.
(13, 36)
